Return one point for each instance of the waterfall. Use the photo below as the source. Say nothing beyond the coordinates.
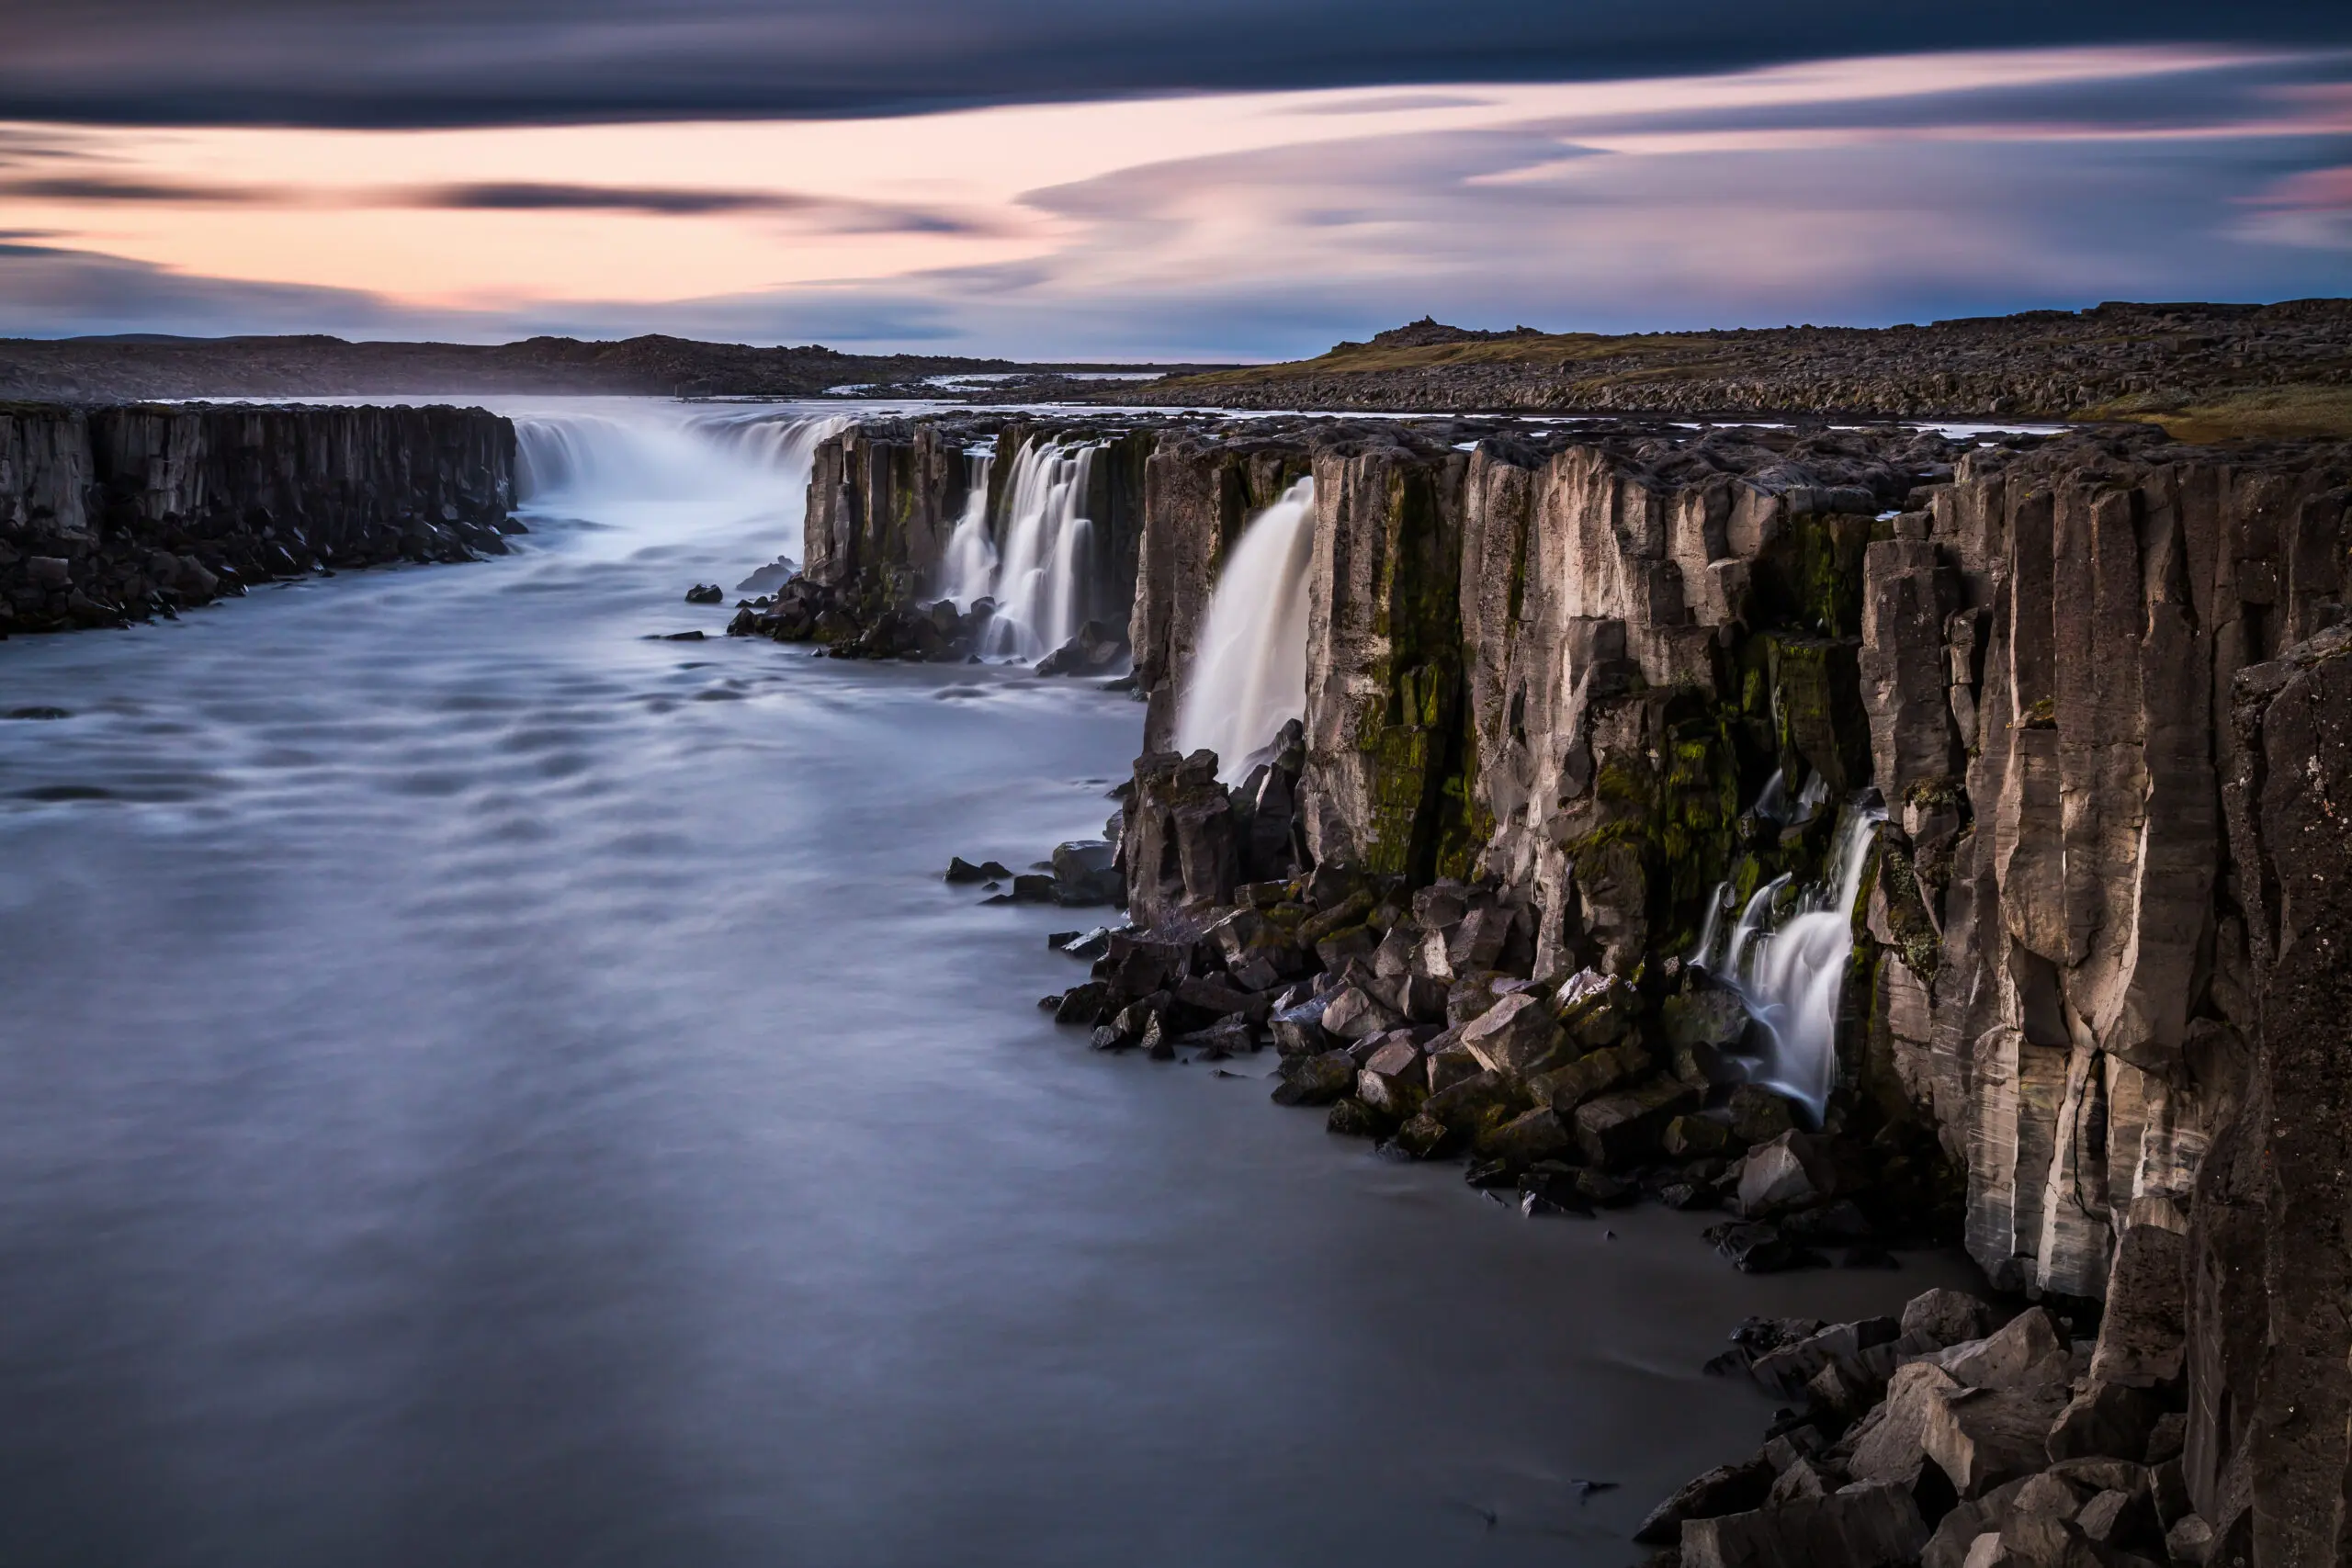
(1792, 977)
(729, 470)
(967, 571)
(1044, 580)
(1248, 678)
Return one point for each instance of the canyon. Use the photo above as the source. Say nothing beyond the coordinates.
(2084, 694)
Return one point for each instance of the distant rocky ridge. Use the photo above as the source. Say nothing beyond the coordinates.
(116, 515)
(2206, 371)
(106, 370)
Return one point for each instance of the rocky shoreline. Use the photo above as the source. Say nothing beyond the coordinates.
(115, 514)
(2045, 714)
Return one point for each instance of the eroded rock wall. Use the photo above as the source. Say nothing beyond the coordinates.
(108, 515)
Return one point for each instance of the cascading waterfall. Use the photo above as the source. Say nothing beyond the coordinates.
(967, 570)
(1792, 977)
(1043, 580)
(1249, 677)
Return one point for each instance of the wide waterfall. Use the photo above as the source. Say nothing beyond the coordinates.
(1043, 582)
(1792, 977)
(967, 571)
(742, 466)
(1249, 678)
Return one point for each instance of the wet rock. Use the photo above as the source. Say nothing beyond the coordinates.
(1423, 1137)
(1726, 1489)
(1528, 1138)
(1034, 887)
(1086, 872)
(1298, 1030)
(1621, 1127)
(705, 593)
(1449, 1063)
(1471, 1106)
(1687, 1136)
(1394, 1080)
(1316, 1080)
(1859, 1526)
(1589, 1075)
(1757, 1115)
(1755, 1248)
(1786, 1173)
(1891, 1443)
(1352, 1118)
(1082, 1003)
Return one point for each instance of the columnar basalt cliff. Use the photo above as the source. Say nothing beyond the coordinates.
(2054, 729)
(110, 514)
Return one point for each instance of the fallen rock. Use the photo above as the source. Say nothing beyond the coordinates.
(1589, 1075)
(1983, 1436)
(2027, 1351)
(705, 593)
(1891, 1443)
(1530, 1136)
(1352, 1118)
(1624, 1127)
(1299, 1031)
(1316, 1080)
(1726, 1489)
(1353, 1013)
(1786, 1173)
(1423, 1137)
(1517, 1036)
(1947, 1316)
(1757, 1115)
(1866, 1525)
(1482, 1099)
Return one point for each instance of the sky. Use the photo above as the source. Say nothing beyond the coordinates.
(1189, 179)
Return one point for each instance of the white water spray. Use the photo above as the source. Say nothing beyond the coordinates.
(1043, 580)
(1250, 676)
(1792, 977)
(967, 570)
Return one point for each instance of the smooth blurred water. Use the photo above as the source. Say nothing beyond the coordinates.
(481, 1087)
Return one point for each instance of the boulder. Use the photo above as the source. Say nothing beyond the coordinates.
(1598, 1010)
(1966, 1521)
(1473, 1104)
(1299, 1031)
(1711, 1016)
(1947, 1316)
(1788, 1368)
(1983, 1436)
(1352, 1118)
(1623, 1127)
(1891, 1443)
(2027, 1351)
(1353, 1013)
(1423, 1137)
(1530, 1136)
(1589, 1075)
(1866, 1525)
(1517, 1036)
(1086, 872)
(1218, 1000)
(1757, 1115)
(1082, 1003)
(1726, 1489)
(1688, 1136)
(1316, 1080)
(1786, 1173)
(1394, 1081)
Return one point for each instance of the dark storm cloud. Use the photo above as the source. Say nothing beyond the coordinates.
(100, 188)
(686, 201)
(389, 63)
(56, 291)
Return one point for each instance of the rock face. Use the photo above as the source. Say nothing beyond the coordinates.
(112, 514)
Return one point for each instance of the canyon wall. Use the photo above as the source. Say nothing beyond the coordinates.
(110, 514)
(2099, 686)
(885, 496)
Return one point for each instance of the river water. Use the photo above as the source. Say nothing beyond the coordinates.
(478, 1086)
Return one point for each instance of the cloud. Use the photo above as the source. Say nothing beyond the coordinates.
(413, 62)
(686, 201)
(104, 188)
(57, 291)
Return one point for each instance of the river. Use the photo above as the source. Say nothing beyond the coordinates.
(478, 1086)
